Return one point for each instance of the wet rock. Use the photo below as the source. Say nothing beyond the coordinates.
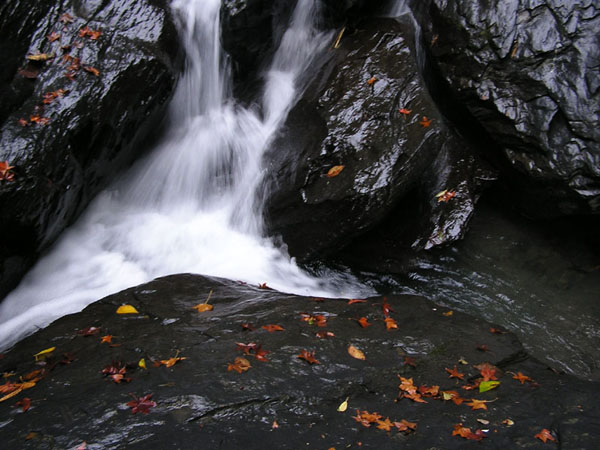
(284, 401)
(528, 72)
(368, 110)
(77, 115)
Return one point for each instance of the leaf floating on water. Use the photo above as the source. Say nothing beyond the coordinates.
(356, 353)
(44, 353)
(335, 171)
(127, 309)
(66, 18)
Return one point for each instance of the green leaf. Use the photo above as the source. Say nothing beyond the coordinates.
(485, 386)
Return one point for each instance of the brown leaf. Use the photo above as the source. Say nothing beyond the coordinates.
(545, 436)
(239, 365)
(477, 404)
(92, 70)
(363, 322)
(454, 373)
(308, 356)
(25, 403)
(54, 36)
(66, 18)
(371, 81)
(390, 324)
(425, 122)
(335, 171)
(142, 404)
(273, 328)
(356, 353)
(171, 361)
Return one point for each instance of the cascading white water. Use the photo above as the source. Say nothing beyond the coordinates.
(189, 207)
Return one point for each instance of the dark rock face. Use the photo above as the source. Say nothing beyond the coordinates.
(352, 115)
(199, 400)
(528, 72)
(96, 120)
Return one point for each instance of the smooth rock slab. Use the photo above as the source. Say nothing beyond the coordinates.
(202, 405)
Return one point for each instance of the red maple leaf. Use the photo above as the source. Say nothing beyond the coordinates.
(142, 404)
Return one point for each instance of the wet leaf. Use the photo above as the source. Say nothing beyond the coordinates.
(425, 122)
(445, 196)
(405, 112)
(31, 71)
(356, 353)
(49, 97)
(89, 331)
(410, 361)
(483, 421)
(407, 385)
(239, 365)
(454, 373)
(142, 404)
(477, 404)
(483, 348)
(356, 300)
(263, 286)
(405, 425)
(390, 324)
(274, 425)
(203, 307)
(142, 363)
(308, 356)
(485, 386)
(335, 171)
(522, 378)
(12, 394)
(545, 436)
(273, 328)
(106, 339)
(318, 319)
(91, 70)
(25, 403)
(39, 119)
(54, 36)
(385, 425)
(466, 433)
(172, 361)
(261, 354)
(88, 32)
(344, 405)
(66, 18)
(454, 396)
(488, 371)
(44, 353)
(5, 171)
(127, 309)
(448, 313)
(386, 308)
(371, 81)
(363, 322)
(508, 422)
(41, 56)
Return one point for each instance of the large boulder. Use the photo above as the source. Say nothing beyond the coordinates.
(528, 72)
(85, 81)
(370, 111)
(83, 390)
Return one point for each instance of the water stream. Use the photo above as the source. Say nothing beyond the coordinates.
(189, 206)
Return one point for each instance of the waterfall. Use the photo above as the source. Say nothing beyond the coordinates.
(189, 206)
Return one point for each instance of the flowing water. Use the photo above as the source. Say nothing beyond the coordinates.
(190, 206)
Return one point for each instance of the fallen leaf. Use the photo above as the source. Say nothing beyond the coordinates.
(260, 354)
(66, 18)
(107, 339)
(91, 70)
(273, 328)
(445, 196)
(53, 36)
(275, 425)
(12, 394)
(483, 421)
(407, 385)
(30, 436)
(335, 171)
(39, 120)
(454, 396)
(371, 81)
(405, 112)
(356, 353)
(30, 71)
(448, 313)
(390, 323)
(172, 361)
(203, 307)
(88, 32)
(477, 404)
(310, 357)
(142, 363)
(488, 371)
(246, 348)
(386, 307)
(522, 378)
(454, 373)
(44, 353)
(318, 319)
(127, 309)
(414, 397)
(363, 322)
(344, 405)
(385, 425)
(89, 331)
(544, 435)
(239, 365)
(466, 433)
(5, 170)
(429, 391)
(405, 425)
(356, 300)
(485, 386)
(508, 422)
(410, 361)
(142, 404)
(247, 327)
(41, 56)
(324, 334)
(425, 122)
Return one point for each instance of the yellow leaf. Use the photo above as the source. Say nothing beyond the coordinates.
(335, 171)
(202, 307)
(142, 363)
(41, 57)
(127, 309)
(356, 353)
(12, 394)
(344, 405)
(44, 353)
(448, 314)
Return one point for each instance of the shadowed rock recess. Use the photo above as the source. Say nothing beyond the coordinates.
(284, 402)
(70, 120)
(528, 73)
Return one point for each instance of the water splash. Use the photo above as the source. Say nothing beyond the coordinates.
(189, 206)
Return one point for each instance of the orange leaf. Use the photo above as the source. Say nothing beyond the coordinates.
(203, 307)
(385, 424)
(415, 398)
(466, 433)
(92, 70)
(272, 328)
(545, 435)
(53, 36)
(390, 323)
(364, 322)
(405, 111)
(405, 425)
(407, 385)
(386, 307)
(371, 81)
(239, 365)
(353, 300)
(107, 339)
(477, 404)
(25, 403)
(171, 361)
(445, 196)
(335, 171)
(356, 353)
(454, 373)
(425, 122)
(522, 378)
(310, 357)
